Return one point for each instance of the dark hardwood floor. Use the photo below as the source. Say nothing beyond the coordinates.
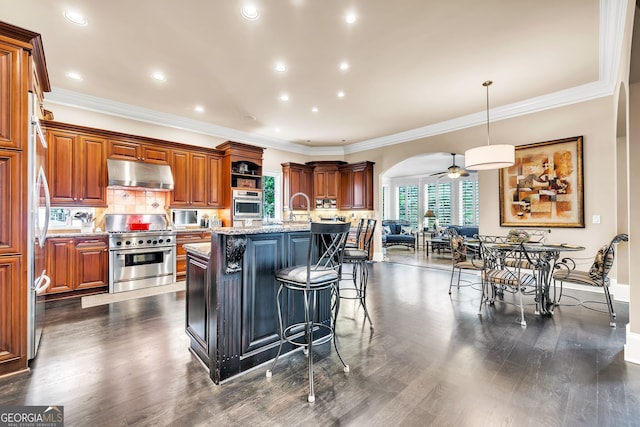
(430, 361)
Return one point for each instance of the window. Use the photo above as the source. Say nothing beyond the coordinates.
(468, 203)
(408, 204)
(444, 204)
(271, 199)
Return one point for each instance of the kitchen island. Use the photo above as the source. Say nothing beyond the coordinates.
(231, 311)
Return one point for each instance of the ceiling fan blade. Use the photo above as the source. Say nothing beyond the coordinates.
(464, 172)
(438, 173)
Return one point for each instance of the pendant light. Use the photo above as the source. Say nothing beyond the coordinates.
(489, 156)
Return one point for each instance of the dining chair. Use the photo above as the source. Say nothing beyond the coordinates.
(358, 258)
(498, 277)
(320, 274)
(462, 258)
(356, 243)
(597, 275)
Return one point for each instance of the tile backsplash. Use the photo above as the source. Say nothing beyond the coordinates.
(137, 201)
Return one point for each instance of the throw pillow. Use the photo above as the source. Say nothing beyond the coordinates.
(406, 230)
(459, 249)
(386, 230)
(601, 264)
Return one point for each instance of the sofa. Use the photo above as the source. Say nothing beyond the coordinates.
(396, 232)
(468, 231)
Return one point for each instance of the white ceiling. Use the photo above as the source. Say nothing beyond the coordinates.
(416, 66)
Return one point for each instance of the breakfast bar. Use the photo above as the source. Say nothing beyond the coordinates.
(231, 312)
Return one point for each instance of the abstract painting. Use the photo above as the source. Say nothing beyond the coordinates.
(544, 186)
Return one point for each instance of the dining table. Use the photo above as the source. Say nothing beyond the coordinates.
(541, 258)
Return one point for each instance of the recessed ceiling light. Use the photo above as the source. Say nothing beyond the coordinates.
(74, 76)
(341, 94)
(314, 109)
(280, 67)
(75, 17)
(344, 66)
(351, 18)
(250, 12)
(284, 97)
(198, 109)
(277, 129)
(159, 76)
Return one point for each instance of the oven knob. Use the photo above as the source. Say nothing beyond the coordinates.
(127, 242)
(155, 242)
(168, 240)
(118, 243)
(160, 241)
(140, 242)
(148, 241)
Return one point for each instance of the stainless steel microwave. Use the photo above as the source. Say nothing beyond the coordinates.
(184, 217)
(247, 204)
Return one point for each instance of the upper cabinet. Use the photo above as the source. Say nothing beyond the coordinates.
(356, 190)
(127, 150)
(297, 178)
(190, 179)
(326, 182)
(77, 167)
(11, 128)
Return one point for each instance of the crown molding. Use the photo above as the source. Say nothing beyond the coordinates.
(612, 21)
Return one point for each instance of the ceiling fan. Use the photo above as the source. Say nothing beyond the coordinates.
(453, 171)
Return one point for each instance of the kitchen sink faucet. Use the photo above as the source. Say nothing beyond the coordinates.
(292, 216)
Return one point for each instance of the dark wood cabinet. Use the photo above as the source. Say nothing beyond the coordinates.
(190, 179)
(197, 304)
(77, 263)
(60, 264)
(11, 227)
(356, 186)
(297, 178)
(135, 151)
(13, 334)
(182, 238)
(22, 70)
(232, 316)
(13, 90)
(214, 189)
(77, 163)
(91, 256)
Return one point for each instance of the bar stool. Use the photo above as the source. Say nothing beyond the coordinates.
(321, 274)
(358, 258)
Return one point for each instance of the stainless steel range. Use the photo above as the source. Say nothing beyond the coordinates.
(142, 251)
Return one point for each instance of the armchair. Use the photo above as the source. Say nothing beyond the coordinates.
(598, 274)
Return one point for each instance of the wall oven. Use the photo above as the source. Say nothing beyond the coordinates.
(247, 204)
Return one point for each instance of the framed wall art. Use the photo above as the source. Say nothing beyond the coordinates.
(544, 186)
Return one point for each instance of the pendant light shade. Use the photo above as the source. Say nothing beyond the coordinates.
(489, 156)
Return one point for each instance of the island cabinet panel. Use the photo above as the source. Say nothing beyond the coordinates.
(262, 257)
(197, 303)
(239, 289)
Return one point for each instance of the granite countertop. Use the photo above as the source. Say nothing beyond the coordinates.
(199, 248)
(75, 233)
(264, 229)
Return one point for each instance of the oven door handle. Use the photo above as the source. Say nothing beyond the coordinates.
(120, 253)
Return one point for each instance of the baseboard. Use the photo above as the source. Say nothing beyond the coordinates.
(632, 347)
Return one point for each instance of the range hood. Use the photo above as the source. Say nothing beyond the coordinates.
(125, 173)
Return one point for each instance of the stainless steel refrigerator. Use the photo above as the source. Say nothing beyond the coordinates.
(39, 211)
